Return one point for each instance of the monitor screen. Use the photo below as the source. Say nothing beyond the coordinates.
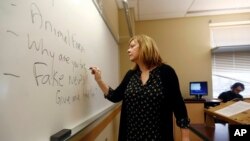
(198, 88)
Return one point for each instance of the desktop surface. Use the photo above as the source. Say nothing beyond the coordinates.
(195, 99)
(212, 103)
(207, 102)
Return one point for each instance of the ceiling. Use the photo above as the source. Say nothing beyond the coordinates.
(165, 9)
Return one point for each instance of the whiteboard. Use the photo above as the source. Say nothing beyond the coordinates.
(46, 48)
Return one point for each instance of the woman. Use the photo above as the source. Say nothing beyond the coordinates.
(150, 94)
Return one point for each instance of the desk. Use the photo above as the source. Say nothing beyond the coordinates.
(207, 102)
(241, 118)
(211, 103)
(219, 132)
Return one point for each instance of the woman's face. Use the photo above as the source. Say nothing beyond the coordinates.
(133, 51)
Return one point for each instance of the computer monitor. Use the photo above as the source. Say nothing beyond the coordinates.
(198, 89)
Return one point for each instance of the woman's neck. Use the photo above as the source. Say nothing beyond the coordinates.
(144, 68)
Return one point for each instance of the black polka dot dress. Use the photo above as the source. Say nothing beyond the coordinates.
(147, 110)
(143, 107)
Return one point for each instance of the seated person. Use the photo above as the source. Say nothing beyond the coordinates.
(236, 88)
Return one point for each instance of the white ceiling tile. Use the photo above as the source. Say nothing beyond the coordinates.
(244, 3)
(159, 9)
(156, 16)
(218, 7)
(162, 6)
(163, 9)
(200, 5)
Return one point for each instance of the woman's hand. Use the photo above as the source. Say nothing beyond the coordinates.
(98, 78)
(96, 72)
(185, 134)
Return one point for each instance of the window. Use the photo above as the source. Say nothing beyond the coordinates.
(230, 57)
(228, 68)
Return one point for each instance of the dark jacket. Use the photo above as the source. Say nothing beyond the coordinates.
(173, 103)
(229, 95)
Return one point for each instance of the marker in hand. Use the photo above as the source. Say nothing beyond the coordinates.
(96, 72)
(92, 71)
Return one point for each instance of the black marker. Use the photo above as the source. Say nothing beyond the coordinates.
(92, 71)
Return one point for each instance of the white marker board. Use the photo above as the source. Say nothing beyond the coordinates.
(46, 47)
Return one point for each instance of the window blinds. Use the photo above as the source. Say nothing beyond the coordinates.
(235, 62)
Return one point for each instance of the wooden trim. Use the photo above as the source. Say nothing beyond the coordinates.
(100, 127)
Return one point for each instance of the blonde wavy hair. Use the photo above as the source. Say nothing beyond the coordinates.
(148, 51)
